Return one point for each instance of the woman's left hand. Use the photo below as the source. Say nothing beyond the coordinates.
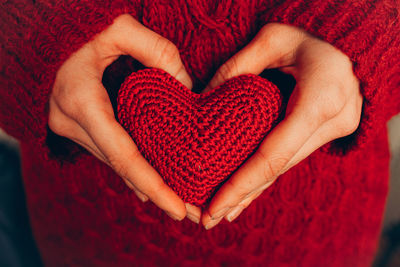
(325, 105)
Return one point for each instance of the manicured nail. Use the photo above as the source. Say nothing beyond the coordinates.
(233, 214)
(212, 223)
(220, 213)
(173, 216)
(193, 218)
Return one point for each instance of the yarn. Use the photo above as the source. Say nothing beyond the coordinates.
(196, 141)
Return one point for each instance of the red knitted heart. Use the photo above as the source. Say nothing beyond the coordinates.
(196, 141)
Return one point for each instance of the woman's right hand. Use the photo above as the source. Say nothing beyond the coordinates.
(80, 108)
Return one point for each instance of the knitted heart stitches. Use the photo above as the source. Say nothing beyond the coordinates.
(196, 141)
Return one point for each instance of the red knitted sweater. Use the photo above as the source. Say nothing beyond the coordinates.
(326, 210)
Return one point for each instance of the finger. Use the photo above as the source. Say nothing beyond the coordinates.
(212, 223)
(232, 213)
(272, 47)
(63, 125)
(267, 163)
(139, 194)
(148, 47)
(318, 102)
(193, 213)
(342, 125)
(235, 212)
(98, 155)
(123, 155)
(79, 136)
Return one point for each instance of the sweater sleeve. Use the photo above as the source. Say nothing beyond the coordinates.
(36, 37)
(368, 32)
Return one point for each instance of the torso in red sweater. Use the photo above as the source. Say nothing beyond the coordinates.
(325, 211)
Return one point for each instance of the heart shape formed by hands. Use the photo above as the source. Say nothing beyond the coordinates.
(196, 141)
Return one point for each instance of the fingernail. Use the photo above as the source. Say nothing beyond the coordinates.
(173, 216)
(143, 198)
(140, 195)
(234, 213)
(220, 213)
(212, 223)
(193, 218)
(184, 78)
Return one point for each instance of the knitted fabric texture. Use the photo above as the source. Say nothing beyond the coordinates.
(195, 141)
(326, 211)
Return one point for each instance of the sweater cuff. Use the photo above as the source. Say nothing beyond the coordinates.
(368, 33)
(37, 37)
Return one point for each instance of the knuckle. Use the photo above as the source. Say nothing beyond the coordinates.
(121, 165)
(232, 67)
(124, 18)
(168, 52)
(273, 166)
(350, 121)
(351, 126)
(342, 60)
(55, 124)
(270, 30)
(240, 191)
(226, 70)
(69, 102)
(74, 109)
(331, 102)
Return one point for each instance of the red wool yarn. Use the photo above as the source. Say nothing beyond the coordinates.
(196, 141)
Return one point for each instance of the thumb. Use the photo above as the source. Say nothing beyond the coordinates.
(273, 47)
(128, 36)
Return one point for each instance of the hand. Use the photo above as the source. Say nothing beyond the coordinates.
(80, 108)
(325, 104)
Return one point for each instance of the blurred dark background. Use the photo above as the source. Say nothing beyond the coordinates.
(17, 245)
